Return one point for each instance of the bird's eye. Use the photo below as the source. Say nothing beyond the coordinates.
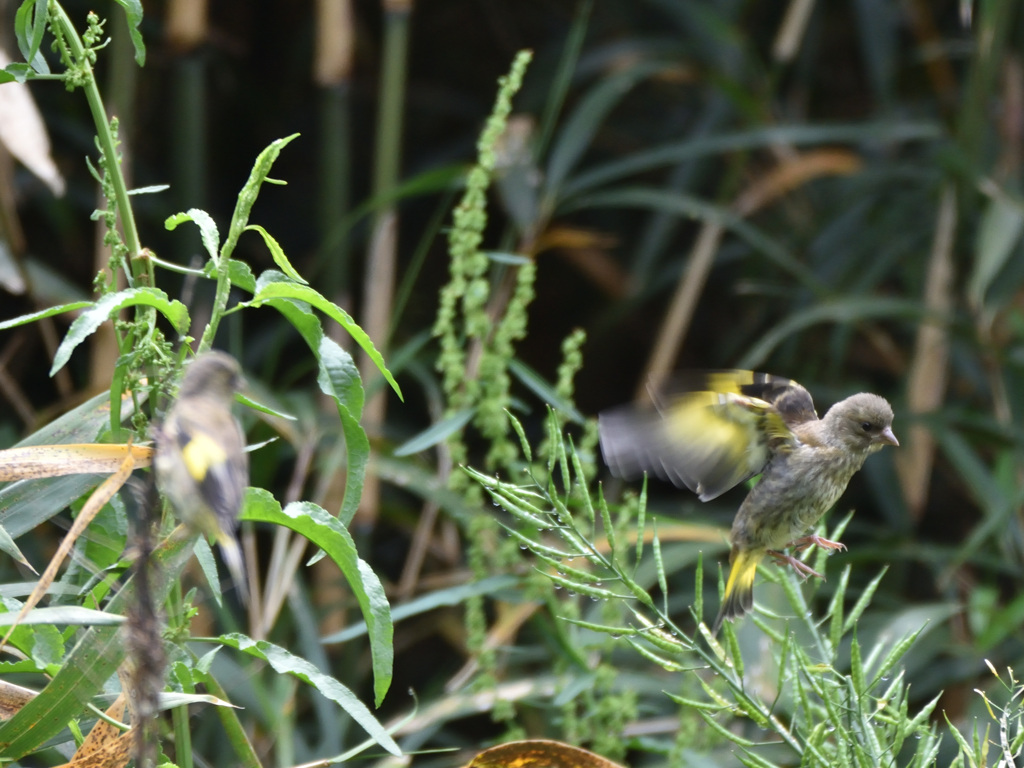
(867, 426)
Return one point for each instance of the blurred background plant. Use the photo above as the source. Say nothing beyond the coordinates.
(828, 191)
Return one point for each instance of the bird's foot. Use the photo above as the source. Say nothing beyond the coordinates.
(798, 565)
(799, 545)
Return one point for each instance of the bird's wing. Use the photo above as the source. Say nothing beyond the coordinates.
(709, 431)
(791, 400)
(217, 461)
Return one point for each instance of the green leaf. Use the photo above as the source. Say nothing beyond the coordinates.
(433, 600)
(7, 545)
(247, 196)
(327, 532)
(48, 650)
(133, 12)
(563, 77)
(975, 472)
(427, 485)
(91, 319)
(845, 310)
(436, 433)
(278, 253)
(27, 503)
(428, 182)
(29, 28)
(502, 257)
(999, 234)
(42, 642)
(298, 313)
(63, 614)
(1001, 624)
(290, 664)
(17, 72)
(240, 275)
(542, 389)
(691, 207)
(207, 229)
(169, 700)
(83, 424)
(268, 291)
(49, 312)
(248, 402)
(208, 565)
(90, 664)
(52, 287)
(579, 129)
(339, 379)
(149, 189)
(233, 730)
(673, 153)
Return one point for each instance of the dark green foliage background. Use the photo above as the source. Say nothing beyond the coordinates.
(833, 272)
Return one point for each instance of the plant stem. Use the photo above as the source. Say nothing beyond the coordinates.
(141, 269)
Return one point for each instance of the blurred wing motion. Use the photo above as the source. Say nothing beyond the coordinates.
(709, 431)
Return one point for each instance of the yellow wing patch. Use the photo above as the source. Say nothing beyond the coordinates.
(702, 413)
(201, 453)
(708, 431)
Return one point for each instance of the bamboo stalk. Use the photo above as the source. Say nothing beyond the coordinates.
(929, 369)
(379, 279)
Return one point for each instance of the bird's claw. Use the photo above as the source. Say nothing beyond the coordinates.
(799, 566)
(803, 543)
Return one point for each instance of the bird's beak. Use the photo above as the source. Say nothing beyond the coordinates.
(887, 436)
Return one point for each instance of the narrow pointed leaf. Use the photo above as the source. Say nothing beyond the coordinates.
(327, 532)
(435, 434)
(278, 254)
(268, 292)
(290, 664)
(107, 306)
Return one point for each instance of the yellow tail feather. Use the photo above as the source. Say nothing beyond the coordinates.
(739, 589)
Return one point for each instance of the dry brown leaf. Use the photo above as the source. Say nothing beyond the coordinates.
(795, 172)
(99, 497)
(588, 251)
(13, 698)
(106, 746)
(23, 132)
(71, 459)
(539, 753)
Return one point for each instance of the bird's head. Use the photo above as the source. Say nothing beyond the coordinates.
(212, 373)
(862, 422)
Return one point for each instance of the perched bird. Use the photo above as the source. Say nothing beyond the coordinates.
(720, 428)
(200, 462)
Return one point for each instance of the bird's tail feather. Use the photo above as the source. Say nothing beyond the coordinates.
(739, 589)
(232, 555)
